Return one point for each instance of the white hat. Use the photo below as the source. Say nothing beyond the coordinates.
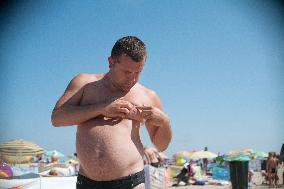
(185, 165)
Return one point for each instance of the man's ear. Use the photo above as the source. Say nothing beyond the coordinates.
(110, 62)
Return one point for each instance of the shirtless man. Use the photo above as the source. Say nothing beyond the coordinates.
(272, 164)
(108, 109)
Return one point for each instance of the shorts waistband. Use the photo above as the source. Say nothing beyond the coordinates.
(129, 181)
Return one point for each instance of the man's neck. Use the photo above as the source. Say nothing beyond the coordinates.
(110, 84)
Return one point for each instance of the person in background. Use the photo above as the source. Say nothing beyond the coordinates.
(264, 175)
(205, 162)
(250, 175)
(185, 174)
(271, 169)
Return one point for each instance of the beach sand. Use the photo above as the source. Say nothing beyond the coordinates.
(216, 187)
(70, 183)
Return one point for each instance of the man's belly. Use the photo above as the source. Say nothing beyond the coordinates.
(109, 152)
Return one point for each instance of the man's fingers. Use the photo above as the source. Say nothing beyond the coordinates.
(144, 108)
(146, 116)
(123, 110)
(120, 114)
(146, 113)
(127, 105)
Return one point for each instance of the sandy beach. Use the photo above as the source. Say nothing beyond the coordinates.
(70, 183)
(216, 187)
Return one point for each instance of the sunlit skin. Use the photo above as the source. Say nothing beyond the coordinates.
(124, 72)
(108, 110)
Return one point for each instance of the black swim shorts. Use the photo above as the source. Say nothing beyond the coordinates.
(273, 170)
(127, 182)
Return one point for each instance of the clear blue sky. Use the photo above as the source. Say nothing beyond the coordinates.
(217, 66)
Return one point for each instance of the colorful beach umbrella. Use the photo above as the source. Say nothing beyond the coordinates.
(182, 154)
(247, 150)
(180, 161)
(5, 170)
(54, 153)
(237, 158)
(259, 154)
(202, 154)
(241, 153)
(19, 151)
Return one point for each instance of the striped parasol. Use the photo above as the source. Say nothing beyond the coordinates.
(203, 154)
(19, 151)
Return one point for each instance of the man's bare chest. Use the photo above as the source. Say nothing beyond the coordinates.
(97, 95)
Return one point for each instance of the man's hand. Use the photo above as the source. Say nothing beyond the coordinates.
(117, 109)
(135, 114)
(153, 115)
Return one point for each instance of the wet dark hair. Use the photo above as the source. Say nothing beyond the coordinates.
(131, 46)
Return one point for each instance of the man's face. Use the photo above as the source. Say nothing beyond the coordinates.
(125, 72)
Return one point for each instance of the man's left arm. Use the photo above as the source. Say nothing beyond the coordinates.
(157, 123)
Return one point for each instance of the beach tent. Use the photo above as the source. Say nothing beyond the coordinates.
(19, 151)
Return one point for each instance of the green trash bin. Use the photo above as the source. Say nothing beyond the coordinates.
(239, 174)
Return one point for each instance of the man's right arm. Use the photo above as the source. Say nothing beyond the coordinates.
(68, 110)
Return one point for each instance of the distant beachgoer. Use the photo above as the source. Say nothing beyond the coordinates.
(37, 158)
(205, 165)
(109, 109)
(277, 159)
(272, 164)
(205, 162)
(54, 158)
(185, 174)
(250, 175)
(264, 177)
(63, 172)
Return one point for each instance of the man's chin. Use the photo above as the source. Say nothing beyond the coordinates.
(126, 88)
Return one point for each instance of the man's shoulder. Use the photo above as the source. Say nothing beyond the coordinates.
(85, 78)
(149, 92)
(82, 80)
